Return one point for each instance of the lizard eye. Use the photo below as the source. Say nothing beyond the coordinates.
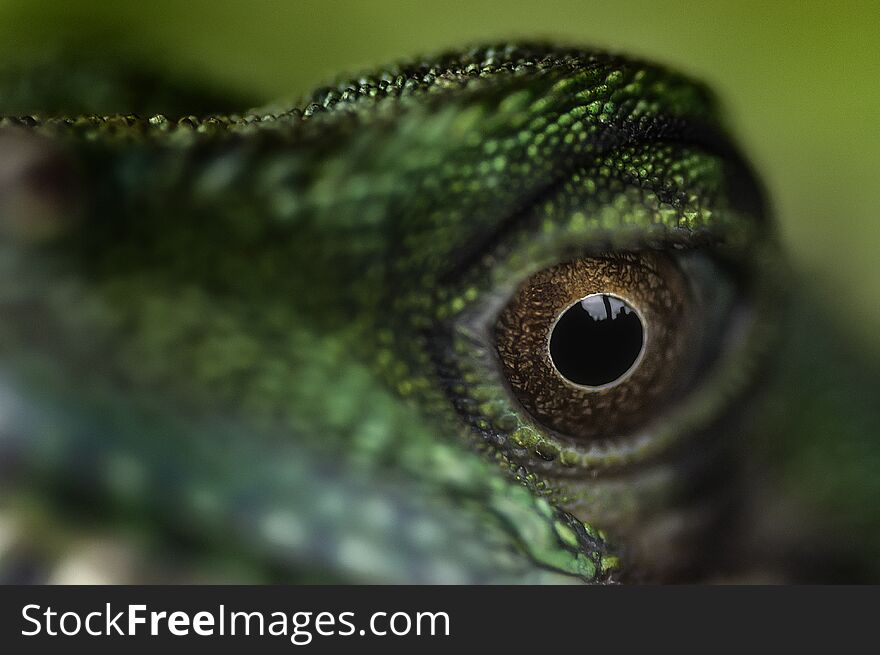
(593, 346)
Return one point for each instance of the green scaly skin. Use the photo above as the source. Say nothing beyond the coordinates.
(258, 344)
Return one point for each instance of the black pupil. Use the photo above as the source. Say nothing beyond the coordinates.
(596, 340)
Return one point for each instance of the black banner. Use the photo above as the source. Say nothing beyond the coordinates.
(429, 619)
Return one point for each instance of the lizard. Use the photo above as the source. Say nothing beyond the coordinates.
(320, 341)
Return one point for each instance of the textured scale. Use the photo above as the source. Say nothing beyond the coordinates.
(280, 298)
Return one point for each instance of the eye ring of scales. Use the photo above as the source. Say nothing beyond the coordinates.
(373, 225)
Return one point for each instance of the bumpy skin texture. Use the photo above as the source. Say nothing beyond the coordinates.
(265, 337)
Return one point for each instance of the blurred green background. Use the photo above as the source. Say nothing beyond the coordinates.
(800, 81)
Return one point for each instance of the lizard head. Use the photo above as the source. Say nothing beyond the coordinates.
(486, 316)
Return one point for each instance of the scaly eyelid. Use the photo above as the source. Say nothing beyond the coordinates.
(499, 273)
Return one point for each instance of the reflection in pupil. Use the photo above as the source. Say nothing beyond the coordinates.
(596, 341)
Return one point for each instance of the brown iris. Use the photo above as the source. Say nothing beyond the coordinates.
(591, 346)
